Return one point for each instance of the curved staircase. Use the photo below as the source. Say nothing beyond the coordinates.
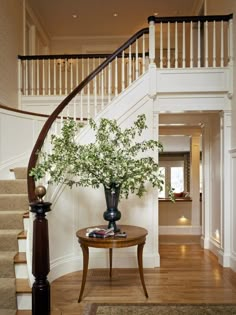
(15, 291)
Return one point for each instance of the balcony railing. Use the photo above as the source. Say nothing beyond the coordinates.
(183, 42)
(192, 41)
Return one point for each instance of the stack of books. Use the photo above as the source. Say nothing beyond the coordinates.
(100, 233)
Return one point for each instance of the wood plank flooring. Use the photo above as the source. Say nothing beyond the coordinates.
(188, 274)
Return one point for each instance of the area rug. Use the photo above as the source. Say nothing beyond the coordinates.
(160, 309)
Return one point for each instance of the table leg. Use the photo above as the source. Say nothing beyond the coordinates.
(140, 266)
(85, 269)
(110, 261)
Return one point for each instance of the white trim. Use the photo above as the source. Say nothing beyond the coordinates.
(233, 262)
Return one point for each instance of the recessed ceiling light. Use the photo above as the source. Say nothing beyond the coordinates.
(155, 13)
(115, 14)
(74, 16)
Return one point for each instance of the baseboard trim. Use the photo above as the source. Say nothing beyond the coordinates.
(180, 230)
(126, 259)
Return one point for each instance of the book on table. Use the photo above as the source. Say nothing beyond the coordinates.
(100, 232)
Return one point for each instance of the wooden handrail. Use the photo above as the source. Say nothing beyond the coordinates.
(74, 56)
(11, 109)
(188, 19)
(39, 143)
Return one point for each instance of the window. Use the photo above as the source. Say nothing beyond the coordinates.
(173, 172)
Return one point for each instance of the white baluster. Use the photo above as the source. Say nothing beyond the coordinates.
(130, 66)
(88, 101)
(206, 44)
(168, 45)
(109, 82)
(20, 83)
(161, 45)
(199, 44)
(116, 76)
(54, 77)
(77, 71)
(136, 60)
(123, 71)
(81, 106)
(184, 52)
(71, 75)
(49, 77)
(32, 77)
(214, 44)
(74, 108)
(176, 45)
(191, 44)
(26, 77)
(37, 77)
(222, 44)
(102, 89)
(143, 53)
(60, 78)
(95, 90)
(65, 76)
(230, 42)
(43, 76)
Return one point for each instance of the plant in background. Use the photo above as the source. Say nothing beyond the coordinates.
(115, 159)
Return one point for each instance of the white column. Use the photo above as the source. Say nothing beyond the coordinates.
(206, 200)
(226, 197)
(195, 179)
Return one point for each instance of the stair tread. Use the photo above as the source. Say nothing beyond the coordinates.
(22, 286)
(12, 232)
(22, 235)
(29, 312)
(20, 258)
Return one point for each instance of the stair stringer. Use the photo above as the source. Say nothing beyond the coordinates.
(79, 207)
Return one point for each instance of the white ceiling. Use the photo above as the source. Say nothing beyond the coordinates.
(95, 17)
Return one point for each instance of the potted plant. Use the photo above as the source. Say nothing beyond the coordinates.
(115, 160)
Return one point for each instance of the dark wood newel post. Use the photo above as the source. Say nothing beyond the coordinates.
(40, 259)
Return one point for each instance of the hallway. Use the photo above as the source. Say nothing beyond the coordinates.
(188, 274)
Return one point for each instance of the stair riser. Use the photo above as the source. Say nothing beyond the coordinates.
(7, 300)
(11, 221)
(21, 271)
(6, 266)
(14, 202)
(24, 301)
(20, 172)
(13, 186)
(8, 243)
(22, 245)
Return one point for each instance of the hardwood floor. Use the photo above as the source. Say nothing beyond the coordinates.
(188, 274)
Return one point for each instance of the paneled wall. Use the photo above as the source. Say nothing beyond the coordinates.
(11, 30)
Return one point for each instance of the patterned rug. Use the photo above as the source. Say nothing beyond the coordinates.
(160, 309)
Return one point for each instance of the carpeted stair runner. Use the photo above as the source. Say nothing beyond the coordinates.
(13, 204)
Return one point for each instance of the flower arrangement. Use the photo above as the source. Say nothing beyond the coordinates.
(115, 159)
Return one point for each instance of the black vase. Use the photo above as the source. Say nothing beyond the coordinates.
(112, 214)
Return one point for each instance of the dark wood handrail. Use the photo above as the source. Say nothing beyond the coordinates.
(19, 111)
(75, 56)
(39, 143)
(188, 19)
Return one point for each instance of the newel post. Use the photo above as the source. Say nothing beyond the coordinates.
(40, 259)
(152, 45)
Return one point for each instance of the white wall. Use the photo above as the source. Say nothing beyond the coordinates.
(226, 7)
(18, 133)
(11, 40)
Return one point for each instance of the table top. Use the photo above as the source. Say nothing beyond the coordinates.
(135, 235)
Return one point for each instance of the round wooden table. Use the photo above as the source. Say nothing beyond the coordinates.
(135, 236)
